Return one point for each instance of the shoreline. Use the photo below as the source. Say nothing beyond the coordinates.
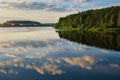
(94, 29)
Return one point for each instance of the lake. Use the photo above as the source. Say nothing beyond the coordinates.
(42, 53)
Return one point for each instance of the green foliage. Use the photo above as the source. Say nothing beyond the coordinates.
(99, 18)
(118, 20)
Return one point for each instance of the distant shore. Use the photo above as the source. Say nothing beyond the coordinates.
(25, 23)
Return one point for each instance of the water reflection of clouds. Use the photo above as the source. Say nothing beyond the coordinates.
(21, 50)
(38, 49)
(113, 65)
(84, 62)
(18, 62)
(49, 66)
(28, 35)
(11, 55)
(46, 68)
(5, 66)
(104, 51)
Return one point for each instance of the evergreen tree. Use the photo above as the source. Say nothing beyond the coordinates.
(99, 18)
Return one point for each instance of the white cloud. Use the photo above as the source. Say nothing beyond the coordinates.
(33, 6)
(75, 1)
(49, 5)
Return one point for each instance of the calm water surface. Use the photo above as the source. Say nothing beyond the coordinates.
(44, 54)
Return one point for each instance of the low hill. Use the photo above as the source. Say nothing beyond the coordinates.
(23, 23)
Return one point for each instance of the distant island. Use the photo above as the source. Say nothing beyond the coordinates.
(100, 19)
(24, 23)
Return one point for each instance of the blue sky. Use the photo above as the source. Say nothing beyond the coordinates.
(47, 11)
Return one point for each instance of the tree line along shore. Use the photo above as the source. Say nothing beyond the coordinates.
(98, 19)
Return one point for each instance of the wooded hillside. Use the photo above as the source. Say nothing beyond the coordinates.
(99, 18)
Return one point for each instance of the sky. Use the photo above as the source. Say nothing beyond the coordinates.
(48, 11)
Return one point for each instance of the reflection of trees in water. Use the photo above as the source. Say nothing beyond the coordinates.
(97, 39)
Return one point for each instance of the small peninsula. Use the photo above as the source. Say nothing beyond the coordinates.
(99, 19)
(24, 23)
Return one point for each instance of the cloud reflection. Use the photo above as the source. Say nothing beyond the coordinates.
(6, 70)
(11, 55)
(52, 69)
(114, 65)
(23, 54)
(104, 51)
(85, 62)
(37, 49)
(6, 66)
(46, 68)
(18, 62)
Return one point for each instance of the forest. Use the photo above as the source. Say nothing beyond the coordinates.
(92, 19)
